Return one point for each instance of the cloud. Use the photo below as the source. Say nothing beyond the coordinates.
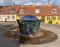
(29, 2)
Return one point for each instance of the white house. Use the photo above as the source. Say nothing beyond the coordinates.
(8, 13)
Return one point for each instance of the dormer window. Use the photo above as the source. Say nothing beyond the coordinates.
(21, 11)
(12, 10)
(37, 10)
(54, 10)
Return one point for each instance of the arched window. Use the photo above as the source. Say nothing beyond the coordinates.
(13, 17)
(22, 11)
(54, 10)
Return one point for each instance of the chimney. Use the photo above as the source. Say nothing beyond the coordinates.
(49, 3)
(22, 5)
(33, 4)
(13, 4)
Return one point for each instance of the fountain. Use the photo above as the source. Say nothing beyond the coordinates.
(29, 26)
(29, 32)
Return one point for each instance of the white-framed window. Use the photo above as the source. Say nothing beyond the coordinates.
(48, 17)
(54, 10)
(37, 10)
(21, 11)
(54, 17)
(13, 17)
(8, 17)
(58, 17)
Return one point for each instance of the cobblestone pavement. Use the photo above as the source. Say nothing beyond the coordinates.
(8, 42)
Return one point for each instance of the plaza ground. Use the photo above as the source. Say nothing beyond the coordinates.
(8, 42)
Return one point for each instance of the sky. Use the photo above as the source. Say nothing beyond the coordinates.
(28, 2)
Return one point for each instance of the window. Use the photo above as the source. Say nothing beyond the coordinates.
(21, 11)
(53, 17)
(13, 17)
(48, 17)
(8, 17)
(37, 10)
(58, 17)
(54, 10)
(12, 10)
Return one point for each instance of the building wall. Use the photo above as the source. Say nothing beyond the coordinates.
(10, 17)
(18, 17)
(50, 21)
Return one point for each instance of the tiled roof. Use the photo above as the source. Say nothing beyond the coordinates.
(44, 10)
(29, 10)
(7, 9)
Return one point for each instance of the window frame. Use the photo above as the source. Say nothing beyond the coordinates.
(8, 17)
(37, 10)
(54, 9)
(22, 11)
(58, 17)
(48, 17)
(53, 17)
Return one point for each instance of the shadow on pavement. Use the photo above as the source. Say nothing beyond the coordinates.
(46, 38)
(8, 42)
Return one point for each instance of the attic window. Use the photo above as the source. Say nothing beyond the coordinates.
(37, 10)
(12, 10)
(54, 10)
(21, 11)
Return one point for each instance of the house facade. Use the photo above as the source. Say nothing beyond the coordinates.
(8, 13)
(8, 17)
(47, 14)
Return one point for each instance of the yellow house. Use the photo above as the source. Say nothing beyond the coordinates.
(47, 14)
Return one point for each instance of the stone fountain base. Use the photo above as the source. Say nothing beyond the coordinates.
(41, 37)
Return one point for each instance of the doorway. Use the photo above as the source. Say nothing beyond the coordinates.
(43, 19)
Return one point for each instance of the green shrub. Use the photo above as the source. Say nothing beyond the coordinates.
(50, 22)
(56, 22)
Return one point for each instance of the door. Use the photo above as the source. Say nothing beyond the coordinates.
(43, 19)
